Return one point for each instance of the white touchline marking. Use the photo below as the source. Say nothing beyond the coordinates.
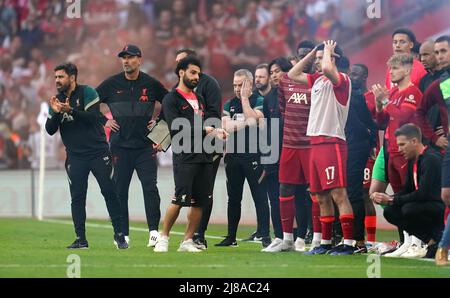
(12, 266)
(104, 226)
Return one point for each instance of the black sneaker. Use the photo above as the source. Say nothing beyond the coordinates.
(79, 244)
(228, 241)
(119, 241)
(253, 237)
(360, 249)
(200, 242)
(431, 251)
(266, 241)
(342, 249)
(309, 236)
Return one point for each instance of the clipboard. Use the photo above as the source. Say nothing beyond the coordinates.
(160, 134)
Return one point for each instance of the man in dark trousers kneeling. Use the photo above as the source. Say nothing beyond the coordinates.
(418, 208)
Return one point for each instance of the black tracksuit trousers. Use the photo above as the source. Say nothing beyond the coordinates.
(238, 169)
(78, 170)
(126, 160)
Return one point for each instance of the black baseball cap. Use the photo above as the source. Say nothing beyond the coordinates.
(130, 49)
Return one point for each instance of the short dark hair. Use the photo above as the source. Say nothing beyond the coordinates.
(443, 38)
(416, 47)
(282, 62)
(69, 68)
(406, 31)
(306, 44)
(410, 131)
(364, 67)
(343, 64)
(337, 50)
(185, 62)
(188, 51)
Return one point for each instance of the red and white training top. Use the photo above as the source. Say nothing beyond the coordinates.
(329, 108)
(191, 99)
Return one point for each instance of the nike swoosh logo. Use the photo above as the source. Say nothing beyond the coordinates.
(185, 107)
(329, 183)
(119, 91)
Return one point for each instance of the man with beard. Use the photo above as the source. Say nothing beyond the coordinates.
(132, 96)
(75, 112)
(209, 89)
(270, 111)
(192, 169)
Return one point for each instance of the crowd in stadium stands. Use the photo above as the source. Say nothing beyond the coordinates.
(35, 35)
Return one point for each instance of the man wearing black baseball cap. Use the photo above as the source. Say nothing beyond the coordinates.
(132, 96)
(130, 50)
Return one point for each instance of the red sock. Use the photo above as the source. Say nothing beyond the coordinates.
(317, 227)
(327, 225)
(371, 227)
(347, 226)
(287, 213)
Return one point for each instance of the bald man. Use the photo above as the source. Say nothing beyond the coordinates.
(429, 61)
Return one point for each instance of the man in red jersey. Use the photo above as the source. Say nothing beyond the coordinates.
(403, 41)
(294, 103)
(403, 100)
(330, 96)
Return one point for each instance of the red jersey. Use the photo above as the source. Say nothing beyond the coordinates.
(294, 101)
(371, 103)
(400, 110)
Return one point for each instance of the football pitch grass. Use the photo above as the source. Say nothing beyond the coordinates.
(32, 248)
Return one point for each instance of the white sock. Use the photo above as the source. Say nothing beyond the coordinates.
(407, 238)
(348, 242)
(288, 236)
(300, 239)
(317, 237)
(325, 242)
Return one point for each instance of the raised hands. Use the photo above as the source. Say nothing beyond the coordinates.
(246, 89)
(380, 92)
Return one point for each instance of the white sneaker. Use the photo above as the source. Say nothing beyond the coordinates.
(127, 239)
(153, 238)
(314, 244)
(399, 251)
(275, 246)
(300, 245)
(287, 245)
(415, 251)
(188, 246)
(162, 245)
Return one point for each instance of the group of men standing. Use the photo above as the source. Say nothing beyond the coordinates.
(323, 112)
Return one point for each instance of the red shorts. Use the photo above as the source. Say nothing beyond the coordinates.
(368, 173)
(328, 167)
(294, 166)
(397, 171)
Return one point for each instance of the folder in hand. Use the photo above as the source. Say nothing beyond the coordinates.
(160, 134)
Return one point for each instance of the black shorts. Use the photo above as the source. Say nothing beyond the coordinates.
(192, 184)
